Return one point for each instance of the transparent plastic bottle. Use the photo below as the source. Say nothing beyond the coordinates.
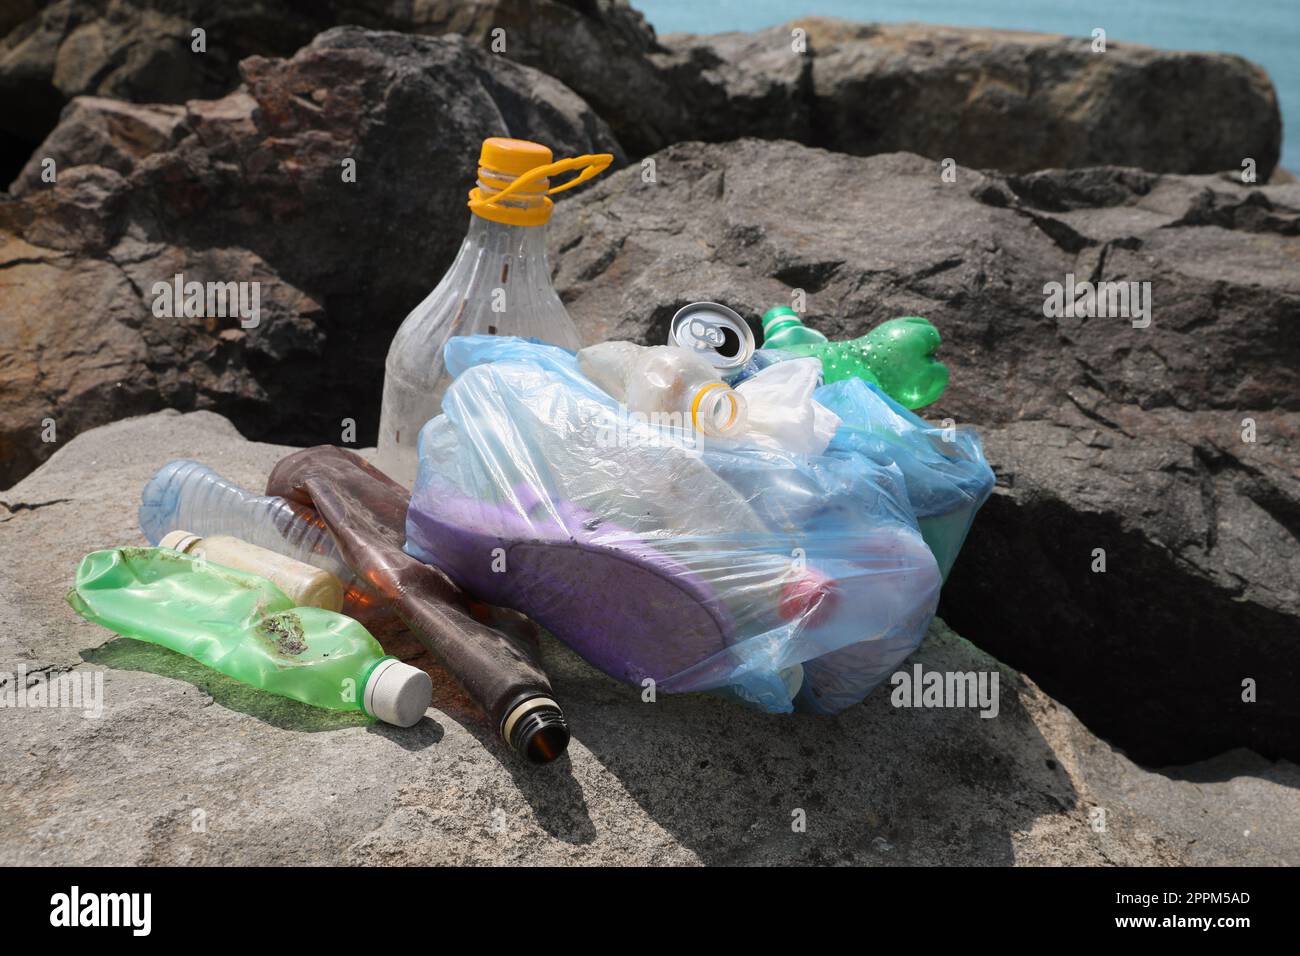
(667, 379)
(499, 284)
(187, 496)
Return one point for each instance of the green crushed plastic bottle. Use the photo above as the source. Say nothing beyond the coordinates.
(783, 329)
(897, 356)
(245, 627)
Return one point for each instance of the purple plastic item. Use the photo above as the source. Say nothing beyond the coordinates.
(523, 556)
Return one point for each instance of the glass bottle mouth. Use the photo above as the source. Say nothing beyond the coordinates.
(536, 729)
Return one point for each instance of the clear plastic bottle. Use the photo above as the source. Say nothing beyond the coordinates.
(187, 496)
(499, 284)
(667, 379)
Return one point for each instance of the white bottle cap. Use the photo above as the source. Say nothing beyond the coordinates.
(178, 540)
(398, 693)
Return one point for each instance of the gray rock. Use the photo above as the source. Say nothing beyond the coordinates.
(727, 85)
(1015, 101)
(185, 766)
(602, 49)
(250, 188)
(988, 98)
(1103, 435)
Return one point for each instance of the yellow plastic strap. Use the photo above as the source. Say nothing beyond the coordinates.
(591, 166)
(699, 397)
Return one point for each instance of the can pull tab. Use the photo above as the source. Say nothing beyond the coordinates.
(707, 333)
(590, 166)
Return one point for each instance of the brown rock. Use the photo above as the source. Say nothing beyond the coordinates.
(141, 51)
(250, 188)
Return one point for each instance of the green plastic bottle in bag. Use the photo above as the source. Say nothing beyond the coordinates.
(245, 627)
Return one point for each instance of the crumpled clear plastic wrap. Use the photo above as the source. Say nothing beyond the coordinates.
(792, 581)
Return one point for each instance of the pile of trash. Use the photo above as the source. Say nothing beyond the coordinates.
(773, 523)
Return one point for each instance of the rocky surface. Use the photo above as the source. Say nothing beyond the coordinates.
(1014, 101)
(251, 188)
(1103, 435)
(137, 51)
(602, 49)
(988, 98)
(185, 766)
(143, 50)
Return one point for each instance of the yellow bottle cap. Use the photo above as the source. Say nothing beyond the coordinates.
(512, 156)
(516, 173)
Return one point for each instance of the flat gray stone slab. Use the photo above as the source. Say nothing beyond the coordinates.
(187, 766)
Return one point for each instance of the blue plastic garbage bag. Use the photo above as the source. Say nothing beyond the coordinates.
(948, 479)
(787, 580)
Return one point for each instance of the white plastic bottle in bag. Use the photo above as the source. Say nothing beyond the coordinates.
(499, 284)
(666, 379)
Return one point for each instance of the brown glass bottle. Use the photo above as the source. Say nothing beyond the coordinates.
(366, 514)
